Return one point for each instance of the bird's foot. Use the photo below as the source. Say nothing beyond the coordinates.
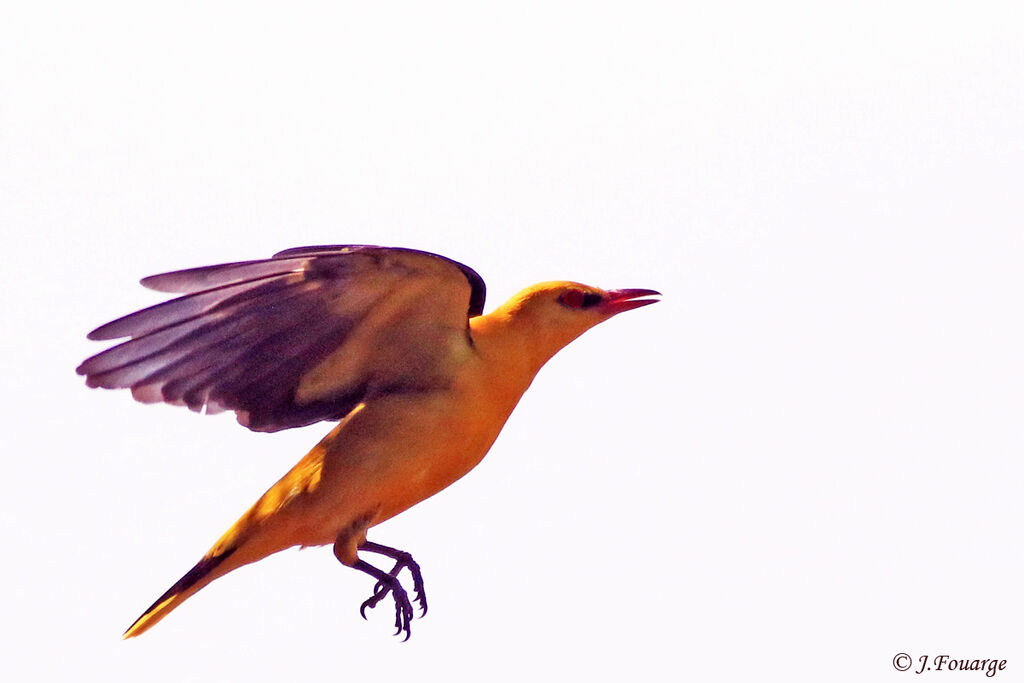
(403, 560)
(387, 582)
(403, 608)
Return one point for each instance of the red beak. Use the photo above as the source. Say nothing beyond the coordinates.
(619, 300)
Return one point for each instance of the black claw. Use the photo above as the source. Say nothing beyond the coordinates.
(403, 609)
(417, 588)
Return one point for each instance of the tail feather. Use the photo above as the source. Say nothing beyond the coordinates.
(188, 585)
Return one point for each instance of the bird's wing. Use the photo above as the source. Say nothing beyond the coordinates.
(294, 339)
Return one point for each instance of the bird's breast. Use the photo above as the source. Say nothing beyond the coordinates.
(403, 448)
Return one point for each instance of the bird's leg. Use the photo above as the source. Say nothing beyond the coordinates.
(403, 560)
(387, 583)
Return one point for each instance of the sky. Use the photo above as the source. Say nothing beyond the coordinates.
(803, 462)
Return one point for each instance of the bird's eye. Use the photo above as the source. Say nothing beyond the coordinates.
(575, 298)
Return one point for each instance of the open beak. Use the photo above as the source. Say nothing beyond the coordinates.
(619, 300)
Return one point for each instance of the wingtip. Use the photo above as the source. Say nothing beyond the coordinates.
(100, 334)
(151, 282)
(173, 282)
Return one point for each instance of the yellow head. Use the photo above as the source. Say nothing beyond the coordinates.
(549, 315)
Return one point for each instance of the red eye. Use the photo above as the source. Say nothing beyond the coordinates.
(573, 298)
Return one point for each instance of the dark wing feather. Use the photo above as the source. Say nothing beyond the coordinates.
(291, 340)
(477, 296)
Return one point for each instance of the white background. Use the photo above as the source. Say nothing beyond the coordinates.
(806, 459)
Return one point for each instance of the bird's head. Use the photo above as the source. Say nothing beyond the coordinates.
(551, 314)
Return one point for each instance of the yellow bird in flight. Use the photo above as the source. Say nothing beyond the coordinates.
(390, 342)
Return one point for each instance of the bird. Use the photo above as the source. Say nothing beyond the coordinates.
(391, 343)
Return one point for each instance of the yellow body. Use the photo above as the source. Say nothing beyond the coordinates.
(395, 450)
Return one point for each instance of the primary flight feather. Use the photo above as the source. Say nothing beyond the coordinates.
(390, 342)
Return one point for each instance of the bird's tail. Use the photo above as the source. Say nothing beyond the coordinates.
(197, 577)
